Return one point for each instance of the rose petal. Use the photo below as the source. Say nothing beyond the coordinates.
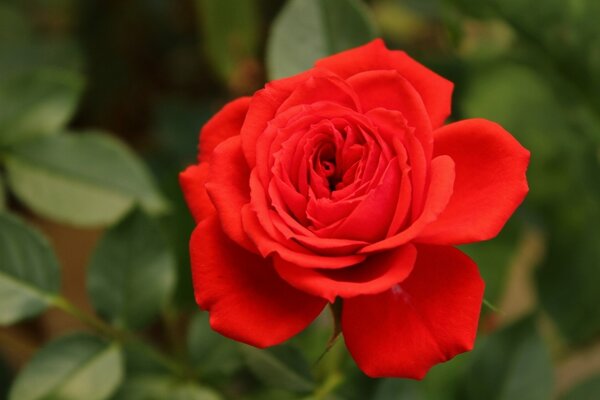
(490, 182)
(228, 188)
(427, 319)
(324, 212)
(435, 90)
(371, 218)
(262, 109)
(246, 299)
(322, 86)
(404, 195)
(375, 275)
(223, 125)
(440, 191)
(388, 90)
(192, 182)
(290, 251)
(327, 246)
(392, 125)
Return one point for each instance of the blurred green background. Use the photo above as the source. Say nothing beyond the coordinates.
(101, 102)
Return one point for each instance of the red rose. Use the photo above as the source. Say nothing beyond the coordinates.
(341, 182)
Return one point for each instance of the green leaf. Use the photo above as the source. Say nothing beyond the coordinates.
(267, 393)
(85, 180)
(24, 48)
(159, 387)
(280, 367)
(18, 58)
(212, 353)
(74, 367)
(37, 102)
(307, 30)
(230, 32)
(568, 279)
(29, 271)
(443, 381)
(512, 363)
(588, 390)
(2, 194)
(131, 275)
(398, 389)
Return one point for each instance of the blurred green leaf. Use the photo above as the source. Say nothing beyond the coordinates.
(493, 259)
(523, 103)
(568, 44)
(568, 279)
(512, 363)
(2, 194)
(230, 30)
(131, 275)
(176, 126)
(5, 379)
(588, 390)
(37, 102)
(266, 393)
(74, 367)
(13, 25)
(85, 180)
(29, 271)
(443, 381)
(518, 14)
(307, 30)
(280, 367)
(140, 362)
(506, 92)
(564, 186)
(398, 389)
(159, 387)
(18, 59)
(212, 353)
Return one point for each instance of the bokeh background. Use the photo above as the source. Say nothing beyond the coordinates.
(101, 102)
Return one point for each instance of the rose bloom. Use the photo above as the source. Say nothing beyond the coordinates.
(343, 182)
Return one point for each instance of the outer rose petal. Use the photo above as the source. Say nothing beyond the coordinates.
(264, 106)
(435, 90)
(490, 181)
(246, 299)
(429, 318)
(192, 182)
(227, 186)
(224, 124)
(375, 275)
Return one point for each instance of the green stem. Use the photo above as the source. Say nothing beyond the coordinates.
(493, 307)
(90, 320)
(119, 335)
(336, 314)
(332, 381)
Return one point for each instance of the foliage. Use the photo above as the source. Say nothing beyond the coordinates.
(100, 105)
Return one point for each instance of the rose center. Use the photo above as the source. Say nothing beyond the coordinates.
(327, 165)
(329, 171)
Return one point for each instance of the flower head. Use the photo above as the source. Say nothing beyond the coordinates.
(343, 182)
